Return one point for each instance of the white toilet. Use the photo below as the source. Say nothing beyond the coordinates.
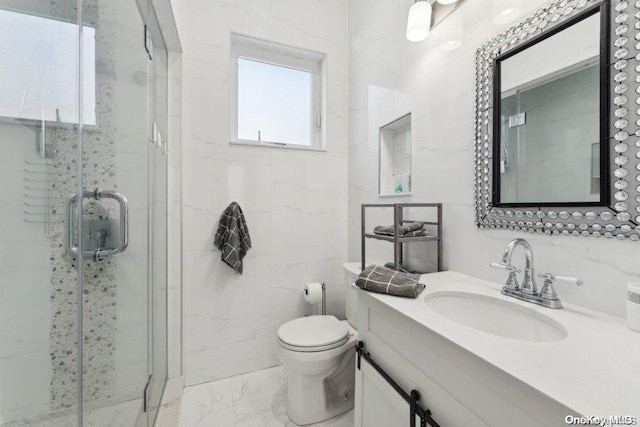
(319, 354)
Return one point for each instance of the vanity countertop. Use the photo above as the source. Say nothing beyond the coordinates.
(595, 370)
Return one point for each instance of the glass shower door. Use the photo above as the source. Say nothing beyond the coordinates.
(158, 222)
(83, 208)
(116, 157)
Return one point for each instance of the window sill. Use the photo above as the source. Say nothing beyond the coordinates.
(281, 146)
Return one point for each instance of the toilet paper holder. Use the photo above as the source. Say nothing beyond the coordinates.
(324, 299)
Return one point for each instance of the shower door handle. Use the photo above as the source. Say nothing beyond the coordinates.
(96, 253)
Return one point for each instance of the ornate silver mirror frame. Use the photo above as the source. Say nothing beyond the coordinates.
(621, 218)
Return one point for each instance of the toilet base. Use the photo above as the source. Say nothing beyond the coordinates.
(314, 399)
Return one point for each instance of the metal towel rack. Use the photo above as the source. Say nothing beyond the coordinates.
(411, 398)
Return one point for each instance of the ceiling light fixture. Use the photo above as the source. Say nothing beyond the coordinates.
(419, 21)
(447, 1)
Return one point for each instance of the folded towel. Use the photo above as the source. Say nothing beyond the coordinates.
(417, 233)
(401, 269)
(232, 237)
(376, 278)
(413, 229)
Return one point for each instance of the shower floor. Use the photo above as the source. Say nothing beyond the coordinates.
(118, 415)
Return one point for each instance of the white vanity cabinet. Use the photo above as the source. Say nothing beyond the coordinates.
(469, 378)
(458, 388)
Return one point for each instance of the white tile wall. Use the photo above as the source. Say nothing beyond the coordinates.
(174, 219)
(295, 202)
(387, 72)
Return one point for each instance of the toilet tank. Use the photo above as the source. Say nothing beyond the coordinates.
(351, 272)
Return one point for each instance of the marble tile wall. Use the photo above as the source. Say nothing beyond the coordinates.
(174, 220)
(389, 76)
(294, 201)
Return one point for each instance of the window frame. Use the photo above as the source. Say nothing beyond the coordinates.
(280, 55)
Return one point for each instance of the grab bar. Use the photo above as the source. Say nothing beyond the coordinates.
(97, 254)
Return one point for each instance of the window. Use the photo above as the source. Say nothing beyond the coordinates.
(38, 79)
(276, 95)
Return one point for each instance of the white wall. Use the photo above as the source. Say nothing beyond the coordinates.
(294, 201)
(174, 219)
(389, 75)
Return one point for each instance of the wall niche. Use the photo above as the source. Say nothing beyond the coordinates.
(394, 160)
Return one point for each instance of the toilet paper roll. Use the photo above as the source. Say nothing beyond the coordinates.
(313, 293)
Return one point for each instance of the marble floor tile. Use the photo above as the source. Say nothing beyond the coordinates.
(219, 418)
(259, 384)
(267, 411)
(122, 414)
(256, 399)
(201, 399)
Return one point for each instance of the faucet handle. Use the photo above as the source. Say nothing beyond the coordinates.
(506, 267)
(569, 280)
(561, 279)
(548, 293)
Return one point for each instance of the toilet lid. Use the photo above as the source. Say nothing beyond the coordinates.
(313, 331)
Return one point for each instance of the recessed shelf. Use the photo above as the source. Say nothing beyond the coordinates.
(394, 158)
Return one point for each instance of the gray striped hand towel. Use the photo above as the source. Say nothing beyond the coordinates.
(376, 278)
(232, 237)
(414, 229)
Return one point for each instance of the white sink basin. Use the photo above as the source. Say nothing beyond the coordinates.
(495, 316)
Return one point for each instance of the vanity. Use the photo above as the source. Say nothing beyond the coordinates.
(480, 358)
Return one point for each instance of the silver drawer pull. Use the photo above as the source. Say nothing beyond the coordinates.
(100, 252)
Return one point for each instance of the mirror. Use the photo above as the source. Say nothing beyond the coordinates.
(394, 161)
(551, 117)
(608, 202)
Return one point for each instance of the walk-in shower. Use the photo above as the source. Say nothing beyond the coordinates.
(83, 207)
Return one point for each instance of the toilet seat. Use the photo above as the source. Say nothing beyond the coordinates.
(313, 333)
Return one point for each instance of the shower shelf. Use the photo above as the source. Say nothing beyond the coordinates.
(398, 220)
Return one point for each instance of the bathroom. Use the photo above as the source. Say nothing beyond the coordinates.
(139, 106)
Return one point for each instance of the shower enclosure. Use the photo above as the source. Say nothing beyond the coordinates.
(83, 208)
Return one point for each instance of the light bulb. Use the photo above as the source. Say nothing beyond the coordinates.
(419, 21)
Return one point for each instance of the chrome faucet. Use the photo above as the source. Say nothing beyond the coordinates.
(528, 291)
(528, 284)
